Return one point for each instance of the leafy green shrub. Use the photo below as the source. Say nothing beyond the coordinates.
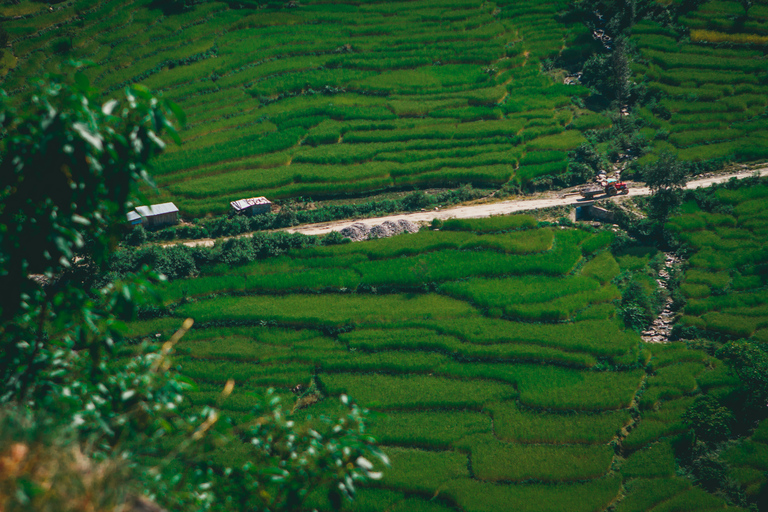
(636, 306)
(137, 236)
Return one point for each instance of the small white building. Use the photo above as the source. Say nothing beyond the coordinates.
(154, 215)
(252, 206)
(134, 219)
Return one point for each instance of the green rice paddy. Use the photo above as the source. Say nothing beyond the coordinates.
(710, 84)
(493, 350)
(327, 99)
(506, 378)
(347, 98)
(725, 286)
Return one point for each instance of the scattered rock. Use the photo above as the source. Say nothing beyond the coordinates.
(661, 328)
(380, 231)
(408, 226)
(358, 231)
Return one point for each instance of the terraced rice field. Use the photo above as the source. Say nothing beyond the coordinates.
(501, 375)
(712, 84)
(328, 98)
(725, 285)
(725, 289)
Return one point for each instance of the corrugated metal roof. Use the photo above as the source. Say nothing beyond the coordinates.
(132, 216)
(156, 209)
(242, 204)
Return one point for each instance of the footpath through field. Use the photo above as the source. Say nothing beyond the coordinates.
(486, 209)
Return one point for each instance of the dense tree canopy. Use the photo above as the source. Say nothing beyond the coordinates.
(69, 172)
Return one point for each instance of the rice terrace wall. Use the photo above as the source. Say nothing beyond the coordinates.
(333, 98)
(337, 98)
(502, 356)
(493, 350)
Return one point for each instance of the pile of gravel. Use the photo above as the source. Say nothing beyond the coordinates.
(408, 226)
(358, 231)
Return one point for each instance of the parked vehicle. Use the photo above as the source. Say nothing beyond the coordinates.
(610, 187)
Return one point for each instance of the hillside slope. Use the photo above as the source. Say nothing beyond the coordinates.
(331, 98)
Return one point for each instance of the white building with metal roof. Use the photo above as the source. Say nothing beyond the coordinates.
(252, 206)
(155, 215)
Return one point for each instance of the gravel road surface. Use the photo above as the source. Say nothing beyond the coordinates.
(501, 207)
(485, 209)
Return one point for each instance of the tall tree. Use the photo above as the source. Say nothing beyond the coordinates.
(749, 361)
(747, 5)
(69, 170)
(666, 177)
(621, 72)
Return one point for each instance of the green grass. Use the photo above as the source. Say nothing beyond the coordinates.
(312, 310)
(533, 298)
(710, 90)
(429, 340)
(645, 494)
(429, 429)
(602, 267)
(560, 389)
(494, 461)
(492, 224)
(476, 408)
(424, 471)
(420, 505)
(515, 424)
(656, 461)
(256, 83)
(427, 241)
(726, 294)
(665, 421)
(692, 499)
(474, 496)
(599, 337)
(671, 382)
(748, 453)
(417, 391)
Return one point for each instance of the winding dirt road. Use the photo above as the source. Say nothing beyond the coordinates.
(546, 200)
(503, 207)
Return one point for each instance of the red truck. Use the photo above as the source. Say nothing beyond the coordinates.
(608, 187)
